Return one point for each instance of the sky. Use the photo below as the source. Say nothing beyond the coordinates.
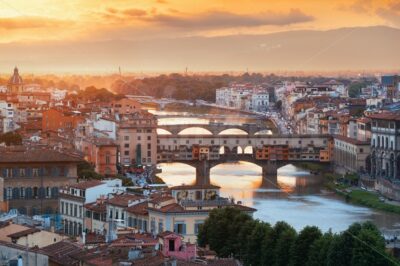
(75, 22)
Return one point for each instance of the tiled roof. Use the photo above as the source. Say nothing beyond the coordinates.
(161, 198)
(189, 187)
(351, 140)
(140, 208)
(61, 252)
(123, 199)
(35, 156)
(96, 206)
(386, 116)
(24, 233)
(86, 184)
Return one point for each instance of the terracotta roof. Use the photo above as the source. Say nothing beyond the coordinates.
(188, 187)
(351, 140)
(174, 207)
(123, 199)
(61, 252)
(35, 156)
(24, 233)
(86, 184)
(161, 198)
(96, 206)
(140, 208)
(386, 116)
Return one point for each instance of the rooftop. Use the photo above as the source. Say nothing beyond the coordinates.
(87, 184)
(123, 200)
(10, 155)
(189, 187)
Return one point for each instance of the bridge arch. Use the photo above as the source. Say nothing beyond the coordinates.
(248, 150)
(264, 132)
(195, 131)
(162, 131)
(233, 131)
(224, 150)
(237, 150)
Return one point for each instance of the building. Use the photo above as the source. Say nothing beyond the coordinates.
(125, 106)
(15, 84)
(385, 152)
(137, 139)
(7, 117)
(102, 154)
(116, 208)
(243, 96)
(186, 210)
(73, 199)
(351, 155)
(32, 178)
(60, 120)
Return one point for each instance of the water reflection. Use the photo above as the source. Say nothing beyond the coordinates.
(296, 196)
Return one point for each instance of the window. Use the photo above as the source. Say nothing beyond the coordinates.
(139, 138)
(126, 152)
(148, 146)
(126, 145)
(180, 228)
(22, 172)
(126, 138)
(160, 226)
(62, 207)
(148, 137)
(153, 225)
(197, 225)
(35, 171)
(111, 214)
(148, 153)
(116, 214)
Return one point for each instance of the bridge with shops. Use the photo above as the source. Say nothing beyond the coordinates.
(270, 152)
(216, 128)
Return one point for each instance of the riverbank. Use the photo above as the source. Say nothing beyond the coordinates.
(343, 185)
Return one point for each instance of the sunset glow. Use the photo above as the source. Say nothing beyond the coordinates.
(79, 24)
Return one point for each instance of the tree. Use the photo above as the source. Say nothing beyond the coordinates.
(318, 253)
(285, 243)
(303, 243)
(220, 230)
(86, 171)
(369, 247)
(254, 243)
(355, 89)
(270, 240)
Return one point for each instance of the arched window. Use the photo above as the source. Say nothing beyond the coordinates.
(28, 193)
(35, 192)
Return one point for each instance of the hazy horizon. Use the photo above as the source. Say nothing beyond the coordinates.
(164, 36)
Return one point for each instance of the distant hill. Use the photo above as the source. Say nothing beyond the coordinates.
(362, 48)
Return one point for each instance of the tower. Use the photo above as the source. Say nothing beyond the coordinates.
(15, 84)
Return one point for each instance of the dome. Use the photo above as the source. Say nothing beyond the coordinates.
(15, 78)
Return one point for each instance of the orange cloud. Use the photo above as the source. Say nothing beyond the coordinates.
(14, 23)
(223, 19)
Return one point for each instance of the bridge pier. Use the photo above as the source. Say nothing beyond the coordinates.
(270, 175)
(203, 172)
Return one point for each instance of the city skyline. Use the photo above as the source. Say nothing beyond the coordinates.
(87, 36)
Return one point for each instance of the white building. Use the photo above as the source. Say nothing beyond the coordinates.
(243, 96)
(7, 112)
(74, 197)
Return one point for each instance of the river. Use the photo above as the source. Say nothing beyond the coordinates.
(299, 198)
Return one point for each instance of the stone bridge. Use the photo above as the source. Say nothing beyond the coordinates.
(215, 128)
(281, 151)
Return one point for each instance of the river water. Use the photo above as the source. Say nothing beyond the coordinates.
(298, 198)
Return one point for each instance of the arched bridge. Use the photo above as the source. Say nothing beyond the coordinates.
(269, 152)
(215, 128)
